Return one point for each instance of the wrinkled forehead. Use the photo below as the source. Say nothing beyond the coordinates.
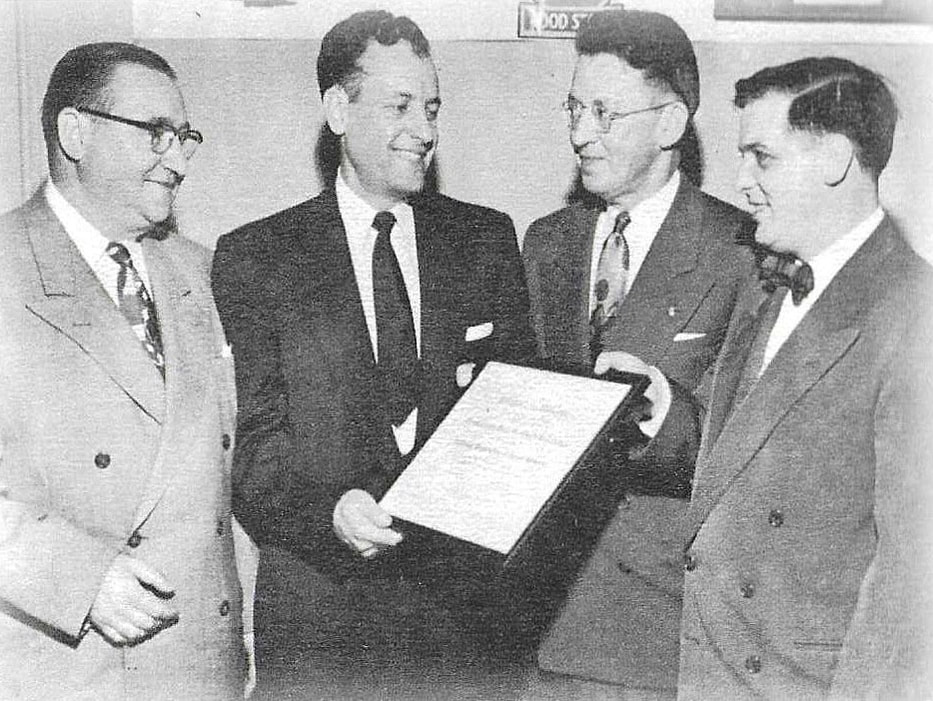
(397, 69)
(607, 78)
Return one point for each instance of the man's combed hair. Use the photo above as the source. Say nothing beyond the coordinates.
(81, 77)
(649, 42)
(832, 96)
(345, 43)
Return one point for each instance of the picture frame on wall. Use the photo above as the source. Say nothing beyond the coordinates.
(910, 11)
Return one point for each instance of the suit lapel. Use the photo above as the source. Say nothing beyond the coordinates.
(183, 305)
(327, 299)
(566, 333)
(827, 332)
(663, 297)
(73, 301)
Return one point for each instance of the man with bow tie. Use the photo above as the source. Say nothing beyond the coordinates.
(117, 573)
(809, 529)
(357, 319)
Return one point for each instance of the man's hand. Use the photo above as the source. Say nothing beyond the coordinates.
(362, 524)
(658, 392)
(131, 604)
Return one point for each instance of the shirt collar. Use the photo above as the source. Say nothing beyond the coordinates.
(90, 242)
(650, 212)
(829, 261)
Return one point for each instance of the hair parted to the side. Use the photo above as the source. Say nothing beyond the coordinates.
(346, 42)
(832, 95)
(81, 77)
(649, 42)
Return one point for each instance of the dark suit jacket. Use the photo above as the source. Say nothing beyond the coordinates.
(100, 456)
(809, 526)
(620, 622)
(311, 426)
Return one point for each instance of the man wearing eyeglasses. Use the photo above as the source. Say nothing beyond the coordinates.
(117, 574)
(642, 271)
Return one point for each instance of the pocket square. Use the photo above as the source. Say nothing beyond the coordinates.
(465, 374)
(687, 336)
(475, 333)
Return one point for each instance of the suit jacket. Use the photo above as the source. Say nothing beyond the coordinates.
(620, 622)
(99, 457)
(809, 526)
(311, 425)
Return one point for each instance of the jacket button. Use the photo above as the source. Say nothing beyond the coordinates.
(225, 441)
(134, 540)
(224, 607)
(776, 518)
(102, 460)
(748, 590)
(753, 664)
(690, 562)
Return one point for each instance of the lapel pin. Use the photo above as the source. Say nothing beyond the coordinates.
(671, 311)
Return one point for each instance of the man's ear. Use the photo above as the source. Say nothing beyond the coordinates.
(72, 133)
(336, 102)
(838, 155)
(672, 125)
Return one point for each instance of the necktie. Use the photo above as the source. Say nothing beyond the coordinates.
(397, 365)
(777, 269)
(611, 278)
(137, 305)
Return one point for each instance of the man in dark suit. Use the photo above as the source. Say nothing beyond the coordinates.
(809, 528)
(356, 319)
(647, 269)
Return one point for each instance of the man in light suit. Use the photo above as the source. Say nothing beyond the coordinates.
(117, 574)
(809, 528)
(635, 90)
(336, 394)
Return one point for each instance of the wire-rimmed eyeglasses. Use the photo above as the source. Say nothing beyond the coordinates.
(163, 134)
(604, 117)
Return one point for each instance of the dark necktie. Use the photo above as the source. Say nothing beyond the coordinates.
(137, 305)
(777, 269)
(397, 363)
(611, 278)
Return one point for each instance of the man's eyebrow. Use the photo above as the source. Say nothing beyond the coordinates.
(752, 146)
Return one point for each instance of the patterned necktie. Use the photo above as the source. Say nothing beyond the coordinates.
(767, 316)
(777, 269)
(137, 305)
(611, 279)
(398, 366)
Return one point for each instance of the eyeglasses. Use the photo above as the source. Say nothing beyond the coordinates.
(604, 118)
(163, 134)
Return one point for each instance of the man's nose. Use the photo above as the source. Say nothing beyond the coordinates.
(174, 158)
(744, 176)
(584, 130)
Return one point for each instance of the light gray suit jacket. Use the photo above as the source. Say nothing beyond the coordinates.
(809, 528)
(99, 456)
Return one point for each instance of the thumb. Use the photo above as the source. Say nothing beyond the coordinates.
(151, 577)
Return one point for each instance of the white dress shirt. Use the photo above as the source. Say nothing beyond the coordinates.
(93, 245)
(825, 266)
(357, 216)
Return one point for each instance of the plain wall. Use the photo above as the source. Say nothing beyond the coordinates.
(503, 137)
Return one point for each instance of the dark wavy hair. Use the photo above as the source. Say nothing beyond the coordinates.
(346, 42)
(832, 96)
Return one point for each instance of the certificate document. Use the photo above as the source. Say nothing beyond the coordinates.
(502, 451)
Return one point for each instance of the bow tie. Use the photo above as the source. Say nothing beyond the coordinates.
(777, 269)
